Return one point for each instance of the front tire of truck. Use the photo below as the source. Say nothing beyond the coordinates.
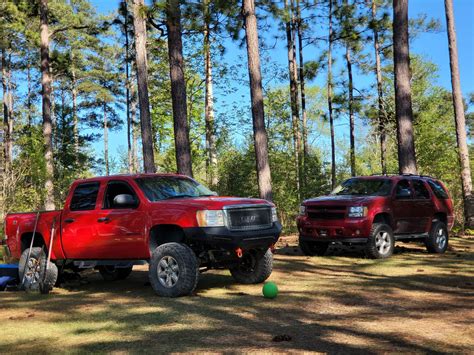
(34, 274)
(112, 273)
(174, 270)
(254, 267)
(381, 243)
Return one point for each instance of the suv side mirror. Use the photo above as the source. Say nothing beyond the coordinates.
(403, 194)
(124, 200)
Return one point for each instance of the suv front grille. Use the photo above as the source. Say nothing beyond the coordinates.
(326, 212)
(249, 218)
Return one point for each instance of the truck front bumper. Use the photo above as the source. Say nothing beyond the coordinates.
(223, 238)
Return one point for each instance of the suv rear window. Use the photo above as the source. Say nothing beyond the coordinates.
(85, 196)
(438, 189)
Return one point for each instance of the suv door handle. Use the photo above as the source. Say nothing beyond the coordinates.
(69, 220)
(103, 219)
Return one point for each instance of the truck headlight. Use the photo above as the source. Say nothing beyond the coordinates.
(210, 218)
(302, 210)
(274, 215)
(357, 212)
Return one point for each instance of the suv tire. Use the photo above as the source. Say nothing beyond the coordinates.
(112, 273)
(173, 270)
(313, 248)
(381, 242)
(254, 267)
(40, 278)
(437, 240)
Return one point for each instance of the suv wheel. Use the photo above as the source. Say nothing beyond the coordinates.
(313, 248)
(34, 275)
(254, 267)
(173, 270)
(437, 240)
(381, 242)
(112, 273)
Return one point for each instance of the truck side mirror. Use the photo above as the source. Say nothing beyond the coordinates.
(124, 201)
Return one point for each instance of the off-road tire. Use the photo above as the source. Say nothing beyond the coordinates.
(47, 276)
(434, 242)
(257, 271)
(381, 242)
(112, 273)
(313, 248)
(186, 264)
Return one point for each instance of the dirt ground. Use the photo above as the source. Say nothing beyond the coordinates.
(340, 303)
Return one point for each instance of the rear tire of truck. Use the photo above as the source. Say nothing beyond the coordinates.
(174, 270)
(313, 248)
(437, 241)
(381, 242)
(254, 267)
(38, 277)
(112, 273)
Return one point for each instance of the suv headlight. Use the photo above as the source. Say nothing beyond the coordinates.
(302, 210)
(357, 212)
(210, 218)
(274, 215)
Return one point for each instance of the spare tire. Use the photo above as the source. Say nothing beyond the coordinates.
(34, 274)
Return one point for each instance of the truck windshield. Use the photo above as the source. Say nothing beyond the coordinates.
(364, 187)
(157, 188)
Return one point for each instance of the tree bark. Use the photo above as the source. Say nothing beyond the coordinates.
(6, 111)
(292, 70)
(256, 95)
(142, 80)
(127, 89)
(29, 105)
(178, 89)
(211, 161)
(133, 117)
(382, 115)
(75, 121)
(403, 104)
(351, 109)
(331, 119)
(460, 120)
(106, 141)
(46, 98)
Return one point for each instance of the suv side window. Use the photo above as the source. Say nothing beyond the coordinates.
(403, 190)
(115, 188)
(84, 197)
(421, 192)
(438, 189)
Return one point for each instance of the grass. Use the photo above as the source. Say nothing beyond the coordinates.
(340, 303)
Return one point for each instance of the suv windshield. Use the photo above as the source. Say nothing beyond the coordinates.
(364, 187)
(158, 188)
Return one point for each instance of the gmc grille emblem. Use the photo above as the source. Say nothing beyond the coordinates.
(248, 219)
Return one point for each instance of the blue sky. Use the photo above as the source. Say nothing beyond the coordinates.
(432, 46)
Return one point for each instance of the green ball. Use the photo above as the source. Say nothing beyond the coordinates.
(270, 290)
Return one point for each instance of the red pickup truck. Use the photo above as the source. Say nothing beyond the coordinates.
(377, 211)
(170, 221)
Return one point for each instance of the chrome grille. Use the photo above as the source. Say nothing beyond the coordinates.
(326, 212)
(253, 217)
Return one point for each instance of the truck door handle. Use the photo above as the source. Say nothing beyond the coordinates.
(103, 219)
(69, 220)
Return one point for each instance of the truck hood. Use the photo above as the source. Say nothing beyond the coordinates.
(341, 200)
(214, 202)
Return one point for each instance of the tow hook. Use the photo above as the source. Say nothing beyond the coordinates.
(238, 251)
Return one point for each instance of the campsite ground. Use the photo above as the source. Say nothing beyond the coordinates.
(340, 303)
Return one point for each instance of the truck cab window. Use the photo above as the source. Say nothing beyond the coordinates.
(403, 190)
(115, 188)
(421, 192)
(84, 197)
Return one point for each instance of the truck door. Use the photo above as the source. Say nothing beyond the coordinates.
(121, 228)
(423, 206)
(402, 202)
(78, 223)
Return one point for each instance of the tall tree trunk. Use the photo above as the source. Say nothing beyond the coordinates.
(331, 119)
(106, 141)
(466, 179)
(142, 80)
(178, 89)
(403, 105)
(75, 121)
(351, 109)
(292, 70)
(382, 115)
(46, 98)
(127, 89)
(302, 87)
(6, 118)
(256, 96)
(10, 108)
(133, 118)
(211, 159)
(29, 104)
